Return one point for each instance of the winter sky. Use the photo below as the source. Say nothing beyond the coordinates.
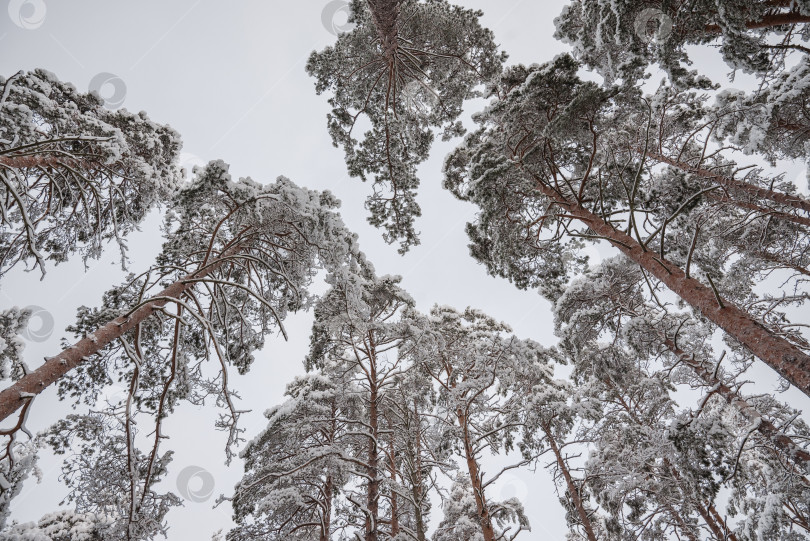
(229, 76)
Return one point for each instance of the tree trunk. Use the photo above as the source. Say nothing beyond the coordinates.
(801, 220)
(326, 526)
(800, 456)
(793, 201)
(474, 470)
(788, 360)
(373, 496)
(416, 482)
(385, 13)
(572, 489)
(682, 525)
(49, 161)
(394, 508)
(717, 532)
(728, 535)
(768, 21)
(33, 383)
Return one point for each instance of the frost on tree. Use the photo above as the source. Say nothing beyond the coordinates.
(238, 257)
(407, 67)
(296, 469)
(75, 174)
(620, 39)
(358, 324)
(476, 366)
(558, 162)
(629, 354)
(101, 468)
(62, 525)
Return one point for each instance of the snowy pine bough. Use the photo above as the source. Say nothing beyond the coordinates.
(643, 412)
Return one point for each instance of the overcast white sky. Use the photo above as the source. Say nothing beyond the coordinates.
(229, 76)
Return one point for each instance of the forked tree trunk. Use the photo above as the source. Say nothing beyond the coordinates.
(569, 482)
(787, 359)
(36, 381)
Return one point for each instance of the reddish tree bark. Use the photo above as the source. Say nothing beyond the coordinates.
(801, 220)
(787, 359)
(569, 482)
(33, 383)
(484, 517)
(782, 441)
(385, 13)
(793, 201)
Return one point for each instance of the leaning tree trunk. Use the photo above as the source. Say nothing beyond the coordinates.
(793, 201)
(768, 21)
(569, 482)
(33, 383)
(787, 359)
(782, 441)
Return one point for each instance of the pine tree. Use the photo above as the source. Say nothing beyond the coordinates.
(296, 468)
(358, 325)
(620, 39)
(407, 67)
(237, 258)
(75, 174)
(546, 181)
(475, 367)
